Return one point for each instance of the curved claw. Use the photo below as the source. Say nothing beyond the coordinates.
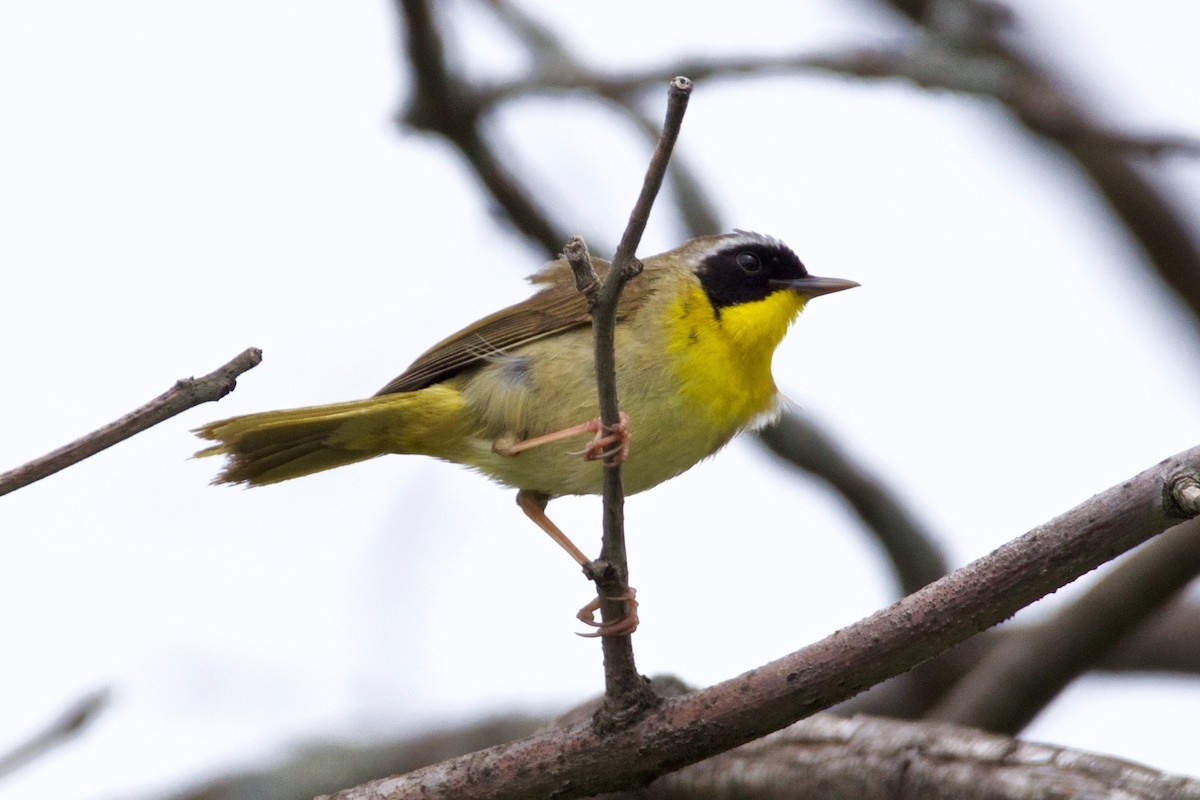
(611, 443)
(617, 627)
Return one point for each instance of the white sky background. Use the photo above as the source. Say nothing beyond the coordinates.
(181, 181)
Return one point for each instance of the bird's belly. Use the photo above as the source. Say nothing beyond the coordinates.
(679, 414)
(667, 438)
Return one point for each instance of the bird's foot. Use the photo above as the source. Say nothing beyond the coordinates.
(610, 444)
(617, 627)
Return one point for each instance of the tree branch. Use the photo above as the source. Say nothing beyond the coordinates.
(443, 103)
(962, 51)
(1167, 642)
(1017, 680)
(576, 761)
(624, 689)
(972, 32)
(68, 723)
(869, 757)
(824, 756)
(552, 59)
(186, 393)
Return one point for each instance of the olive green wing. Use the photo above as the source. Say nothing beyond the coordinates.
(557, 308)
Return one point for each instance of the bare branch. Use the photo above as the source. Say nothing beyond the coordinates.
(576, 761)
(68, 723)
(1167, 642)
(444, 104)
(186, 393)
(969, 56)
(1049, 111)
(553, 61)
(930, 63)
(623, 86)
(869, 757)
(824, 756)
(1014, 682)
(624, 688)
(327, 766)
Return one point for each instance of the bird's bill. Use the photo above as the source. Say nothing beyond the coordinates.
(814, 285)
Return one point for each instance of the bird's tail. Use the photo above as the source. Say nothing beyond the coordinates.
(280, 445)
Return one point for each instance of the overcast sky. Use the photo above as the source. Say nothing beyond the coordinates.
(181, 181)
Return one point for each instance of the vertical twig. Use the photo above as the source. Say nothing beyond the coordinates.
(624, 688)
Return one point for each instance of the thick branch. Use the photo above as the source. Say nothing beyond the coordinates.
(915, 559)
(186, 393)
(576, 761)
(1167, 642)
(1017, 680)
(868, 757)
(824, 756)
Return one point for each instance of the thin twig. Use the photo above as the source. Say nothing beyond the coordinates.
(1016, 680)
(578, 761)
(552, 59)
(624, 688)
(186, 393)
(66, 725)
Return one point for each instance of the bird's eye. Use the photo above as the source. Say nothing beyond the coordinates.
(748, 262)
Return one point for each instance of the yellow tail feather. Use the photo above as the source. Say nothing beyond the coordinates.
(280, 445)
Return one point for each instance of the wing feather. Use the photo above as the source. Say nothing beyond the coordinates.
(557, 308)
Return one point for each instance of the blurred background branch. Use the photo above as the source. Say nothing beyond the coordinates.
(66, 725)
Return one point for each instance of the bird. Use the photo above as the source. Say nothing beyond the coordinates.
(694, 340)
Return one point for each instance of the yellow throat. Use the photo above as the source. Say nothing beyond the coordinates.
(723, 358)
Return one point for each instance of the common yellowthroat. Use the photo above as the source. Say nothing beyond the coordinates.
(694, 339)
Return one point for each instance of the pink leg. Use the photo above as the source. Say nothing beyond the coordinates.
(610, 445)
(534, 506)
